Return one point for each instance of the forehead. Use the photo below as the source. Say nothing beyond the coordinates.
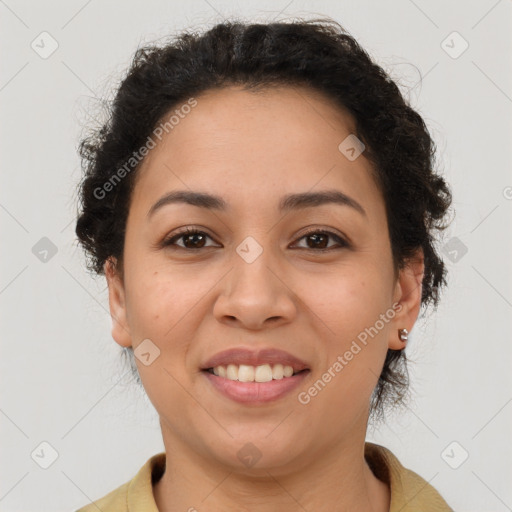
(252, 145)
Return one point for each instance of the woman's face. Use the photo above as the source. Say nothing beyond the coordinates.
(254, 282)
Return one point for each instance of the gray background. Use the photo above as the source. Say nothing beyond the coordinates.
(62, 378)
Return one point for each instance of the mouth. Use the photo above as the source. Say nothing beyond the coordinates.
(250, 373)
(254, 378)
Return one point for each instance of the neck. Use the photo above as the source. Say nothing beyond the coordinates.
(339, 479)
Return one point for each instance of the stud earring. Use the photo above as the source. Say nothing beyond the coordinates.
(403, 334)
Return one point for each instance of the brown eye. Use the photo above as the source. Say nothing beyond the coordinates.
(319, 240)
(316, 241)
(192, 239)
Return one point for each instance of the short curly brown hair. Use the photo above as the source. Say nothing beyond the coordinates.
(316, 53)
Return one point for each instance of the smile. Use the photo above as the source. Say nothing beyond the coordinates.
(252, 392)
(249, 373)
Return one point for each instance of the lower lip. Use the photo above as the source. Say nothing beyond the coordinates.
(256, 392)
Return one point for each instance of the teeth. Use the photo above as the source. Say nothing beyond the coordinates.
(263, 373)
(247, 373)
(232, 372)
(278, 371)
(288, 371)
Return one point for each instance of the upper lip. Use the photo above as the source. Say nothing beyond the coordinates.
(245, 356)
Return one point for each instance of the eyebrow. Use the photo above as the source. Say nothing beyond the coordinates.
(286, 204)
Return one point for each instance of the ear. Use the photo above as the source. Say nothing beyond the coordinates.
(407, 296)
(117, 303)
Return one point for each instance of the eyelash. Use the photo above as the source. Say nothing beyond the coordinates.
(169, 242)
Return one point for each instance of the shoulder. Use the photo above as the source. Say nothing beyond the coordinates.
(135, 495)
(409, 491)
(114, 501)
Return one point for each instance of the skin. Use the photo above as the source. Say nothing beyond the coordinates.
(251, 149)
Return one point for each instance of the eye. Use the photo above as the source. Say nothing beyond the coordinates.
(319, 240)
(192, 238)
(195, 239)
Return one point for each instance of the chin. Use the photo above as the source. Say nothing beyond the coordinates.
(258, 451)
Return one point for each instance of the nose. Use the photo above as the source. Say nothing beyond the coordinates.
(255, 294)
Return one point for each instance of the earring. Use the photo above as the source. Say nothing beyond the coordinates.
(403, 334)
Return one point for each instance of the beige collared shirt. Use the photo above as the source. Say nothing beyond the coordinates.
(409, 491)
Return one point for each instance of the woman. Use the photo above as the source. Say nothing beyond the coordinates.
(263, 204)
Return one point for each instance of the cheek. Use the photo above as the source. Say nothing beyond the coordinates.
(163, 308)
(158, 304)
(354, 315)
(348, 300)
(169, 307)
